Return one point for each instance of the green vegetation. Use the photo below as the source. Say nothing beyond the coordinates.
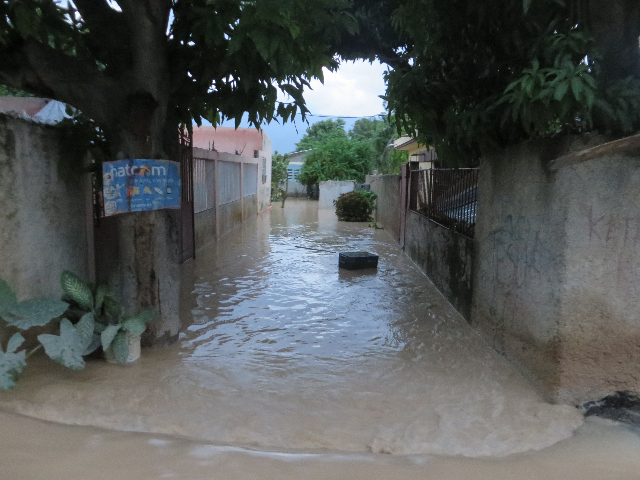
(98, 321)
(380, 133)
(356, 206)
(6, 91)
(321, 133)
(279, 176)
(142, 69)
(158, 64)
(468, 75)
(337, 159)
(338, 155)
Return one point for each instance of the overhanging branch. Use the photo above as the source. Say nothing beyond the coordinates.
(42, 70)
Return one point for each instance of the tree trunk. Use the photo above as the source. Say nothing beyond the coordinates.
(137, 254)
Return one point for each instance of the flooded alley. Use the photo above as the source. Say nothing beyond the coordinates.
(294, 369)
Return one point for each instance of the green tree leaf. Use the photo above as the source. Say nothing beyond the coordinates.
(121, 347)
(77, 290)
(14, 342)
(95, 343)
(66, 348)
(101, 291)
(576, 87)
(35, 313)
(560, 91)
(85, 329)
(11, 363)
(113, 309)
(108, 335)
(135, 325)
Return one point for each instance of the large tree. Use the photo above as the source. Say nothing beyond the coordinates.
(380, 133)
(337, 158)
(472, 74)
(321, 132)
(140, 68)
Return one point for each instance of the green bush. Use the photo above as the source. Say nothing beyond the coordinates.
(355, 206)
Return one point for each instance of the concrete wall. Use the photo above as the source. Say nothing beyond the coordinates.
(264, 174)
(331, 190)
(204, 225)
(44, 205)
(557, 280)
(387, 213)
(230, 217)
(446, 258)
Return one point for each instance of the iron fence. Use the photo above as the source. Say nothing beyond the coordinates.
(203, 182)
(447, 196)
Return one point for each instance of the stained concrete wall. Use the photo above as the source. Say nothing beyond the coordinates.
(204, 224)
(387, 213)
(331, 190)
(557, 277)
(43, 210)
(446, 258)
(230, 217)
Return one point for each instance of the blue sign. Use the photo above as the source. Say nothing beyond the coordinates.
(140, 185)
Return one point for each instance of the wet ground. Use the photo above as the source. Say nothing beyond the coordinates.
(294, 369)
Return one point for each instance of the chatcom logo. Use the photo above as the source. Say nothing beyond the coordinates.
(129, 171)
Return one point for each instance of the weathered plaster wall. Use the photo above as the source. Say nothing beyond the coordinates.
(250, 207)
(445, 257)
(43, 224)
(556, 278)
(230, 217)
(387, 214)
(205, 227)
(600, 296)
(331, 190)
(264, 174)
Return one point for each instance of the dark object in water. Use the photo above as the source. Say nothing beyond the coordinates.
(621, 407)
(357, 260)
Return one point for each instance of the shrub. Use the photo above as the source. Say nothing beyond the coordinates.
(355, 206)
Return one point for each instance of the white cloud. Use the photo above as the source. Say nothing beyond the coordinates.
(353, 90)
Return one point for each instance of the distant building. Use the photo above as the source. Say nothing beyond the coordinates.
(241, 141)
(248, 142)
(427, 156)
(296, 160)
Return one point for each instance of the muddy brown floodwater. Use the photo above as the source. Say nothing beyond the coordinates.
(292, 369)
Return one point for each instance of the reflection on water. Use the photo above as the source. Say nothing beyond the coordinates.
(285, 352)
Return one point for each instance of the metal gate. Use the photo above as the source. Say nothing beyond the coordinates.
(187, 235)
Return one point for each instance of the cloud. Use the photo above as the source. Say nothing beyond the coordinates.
(353, 90)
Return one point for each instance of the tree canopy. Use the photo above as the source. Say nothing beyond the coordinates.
(279, 174)
(137, 67)
(321, 132)
(341, 155)
(380, 133)
(338, 158)
(470, 74)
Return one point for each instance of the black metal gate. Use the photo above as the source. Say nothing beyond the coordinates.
(187, 233)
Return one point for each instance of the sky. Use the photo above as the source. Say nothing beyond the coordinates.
(352, 91)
